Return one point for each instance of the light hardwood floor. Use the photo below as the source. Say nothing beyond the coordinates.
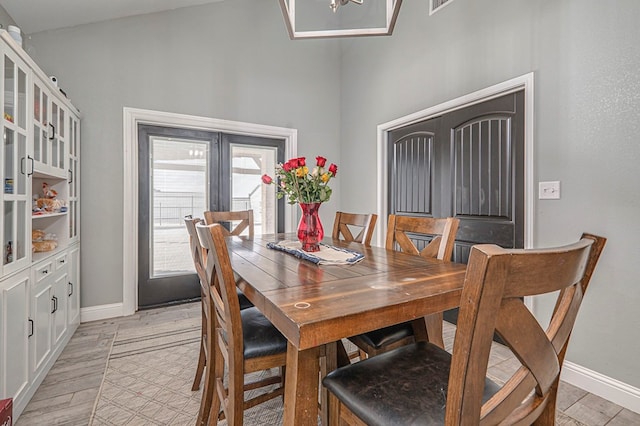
(68, 393)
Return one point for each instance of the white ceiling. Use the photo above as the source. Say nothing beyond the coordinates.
(33, 16)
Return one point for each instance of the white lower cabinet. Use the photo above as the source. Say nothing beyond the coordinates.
(15, 328)
(40, 311)
(73, 307)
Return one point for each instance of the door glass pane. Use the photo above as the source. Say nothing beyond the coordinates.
(22, 157)
(8, 232)
(22, 99)
(179, 187)
(36, 103)
(9, 149)
(9, 90)
(19, 246)
(36, 143)
(247, 191)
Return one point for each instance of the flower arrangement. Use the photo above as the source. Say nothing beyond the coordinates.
(301, 186)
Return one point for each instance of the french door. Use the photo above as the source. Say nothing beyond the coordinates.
(186, 172)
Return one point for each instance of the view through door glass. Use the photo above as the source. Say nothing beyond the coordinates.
(186, 172)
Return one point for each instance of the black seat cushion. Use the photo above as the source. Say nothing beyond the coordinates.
(261, 338)
(244, 302)
(405, 386)
(387, 335)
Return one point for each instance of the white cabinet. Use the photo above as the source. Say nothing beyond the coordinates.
(73, 294)
(40, 167)
(42, 316)
(60, 298)
(50, 144)
(15, 328)
(15, 164)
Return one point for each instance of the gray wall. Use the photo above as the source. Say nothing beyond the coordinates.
(5, 19)
(231, 60)
(586, 59)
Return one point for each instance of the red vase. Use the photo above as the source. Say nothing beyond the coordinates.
(310, 231)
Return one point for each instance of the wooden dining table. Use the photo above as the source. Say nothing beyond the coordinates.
(314, 306)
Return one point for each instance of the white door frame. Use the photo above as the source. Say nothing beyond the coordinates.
(519, 83)
(133, 117)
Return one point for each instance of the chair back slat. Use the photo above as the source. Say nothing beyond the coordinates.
(443, 231)
(345, 224)
(197, 252)
(245, 218)
(497, 279)
(220, 278)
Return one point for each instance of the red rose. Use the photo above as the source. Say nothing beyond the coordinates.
(302, 161)
(333, 169)
(266, 179)
(321, 161)
(288, 166)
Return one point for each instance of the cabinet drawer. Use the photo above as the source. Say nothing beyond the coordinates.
(43, 271)
(61, 261)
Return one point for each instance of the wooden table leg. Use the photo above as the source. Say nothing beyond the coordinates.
(434, 329)
(429, 329)
(301, 386)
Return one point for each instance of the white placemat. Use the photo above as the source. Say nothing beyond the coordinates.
(328, 255)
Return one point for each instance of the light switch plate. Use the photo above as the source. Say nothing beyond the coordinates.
(549, 190)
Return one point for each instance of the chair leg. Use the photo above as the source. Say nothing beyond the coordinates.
(548, 415)
(200, 369)
(202, 358)
(208, 394)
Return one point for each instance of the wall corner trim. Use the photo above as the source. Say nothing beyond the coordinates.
(101, 312)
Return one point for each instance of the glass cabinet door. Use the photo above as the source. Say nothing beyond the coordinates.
(16, 164)
(74, 177)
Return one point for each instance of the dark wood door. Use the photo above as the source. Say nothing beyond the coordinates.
(468, 164)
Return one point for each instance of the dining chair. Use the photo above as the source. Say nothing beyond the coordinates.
(244, 341)
(199, 257)
(422, 383)
(345, 224)
(227, 218)
(400, 231)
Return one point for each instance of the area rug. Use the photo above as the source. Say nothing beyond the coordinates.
(148, 379)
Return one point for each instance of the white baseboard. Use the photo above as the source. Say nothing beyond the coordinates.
(598, 384)
(96, 313)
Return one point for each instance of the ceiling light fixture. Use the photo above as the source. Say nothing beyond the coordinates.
(312, 18)
(335, 3)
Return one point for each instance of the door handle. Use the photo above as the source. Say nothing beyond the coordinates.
(70, 289)
(55, 304)
(53, 135)
(30, 328)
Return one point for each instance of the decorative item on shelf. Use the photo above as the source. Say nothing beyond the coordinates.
(9, 254)
(48, 202)
(8, 117)
(15, 34)
(42, 241)
(309, 190)
(8, 186)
